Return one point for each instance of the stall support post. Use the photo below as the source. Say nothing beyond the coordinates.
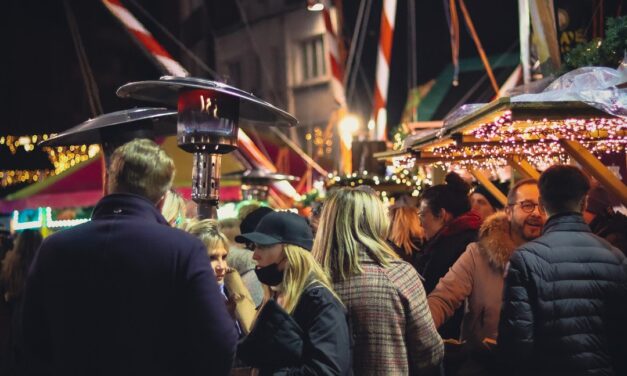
(595, 168)
(523, 167)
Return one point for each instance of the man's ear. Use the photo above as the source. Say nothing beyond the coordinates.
(105, 184)
(443, 214)
(583, 204)
(509, 211)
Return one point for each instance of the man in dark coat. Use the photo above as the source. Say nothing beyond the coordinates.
(125, 294)
(565, 294)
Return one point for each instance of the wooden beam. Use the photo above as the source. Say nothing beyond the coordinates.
(391, 154)
(418, 125)
(524, 167)
(481, 178)
(595, 168)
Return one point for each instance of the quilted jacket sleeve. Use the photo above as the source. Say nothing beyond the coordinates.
(516, 335)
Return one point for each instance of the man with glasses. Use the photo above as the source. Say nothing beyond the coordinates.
(565, 293)
(477, 276)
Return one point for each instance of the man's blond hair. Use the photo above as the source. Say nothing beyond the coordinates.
(140, 167)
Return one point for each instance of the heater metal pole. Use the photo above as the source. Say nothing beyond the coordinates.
(206, 184)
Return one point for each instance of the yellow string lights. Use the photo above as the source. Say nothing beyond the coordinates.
(535, 140)
(62, 158)
(402, 178)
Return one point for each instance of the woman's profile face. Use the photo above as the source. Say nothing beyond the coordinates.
(218, 262)
(480, 205)
(265, 255)
(431, 223)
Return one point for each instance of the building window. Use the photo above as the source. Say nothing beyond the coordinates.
(312, 59)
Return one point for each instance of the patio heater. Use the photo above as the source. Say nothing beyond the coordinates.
(255, 184)
(209, 113)
(114, 129)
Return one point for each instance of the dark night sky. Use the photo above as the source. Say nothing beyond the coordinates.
(43, 91)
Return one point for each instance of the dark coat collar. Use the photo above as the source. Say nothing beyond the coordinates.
(567, 221)
(127, 204)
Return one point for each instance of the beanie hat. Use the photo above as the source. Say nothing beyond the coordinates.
(496, 204)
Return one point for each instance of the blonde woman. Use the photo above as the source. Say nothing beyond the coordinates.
(302, 328)
(406, 233)
(392, 327)
(238, 298)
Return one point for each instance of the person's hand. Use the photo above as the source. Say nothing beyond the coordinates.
(230, 306)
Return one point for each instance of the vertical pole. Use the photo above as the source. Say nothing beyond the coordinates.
(545, 31)
(384, 58)
(524, 31)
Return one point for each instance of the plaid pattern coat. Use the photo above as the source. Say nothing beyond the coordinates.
(392, 326)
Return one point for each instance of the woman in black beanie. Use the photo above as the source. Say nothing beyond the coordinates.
(483, 202)
(449, 226)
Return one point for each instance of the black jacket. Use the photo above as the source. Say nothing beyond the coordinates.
(315, 340)
(565, 304)
(440, 253)
(125, 294)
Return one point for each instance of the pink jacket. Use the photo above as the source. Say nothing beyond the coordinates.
(476, 277)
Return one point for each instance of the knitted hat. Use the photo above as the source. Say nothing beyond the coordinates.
(496, 204)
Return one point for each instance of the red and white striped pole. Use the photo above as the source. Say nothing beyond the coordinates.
(145, 38)
(173, 67)
(384, 57)
(335, 62)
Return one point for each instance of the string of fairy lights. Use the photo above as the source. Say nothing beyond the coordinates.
(538, 141)
(508, 130)
(61, 157)
(403, 177)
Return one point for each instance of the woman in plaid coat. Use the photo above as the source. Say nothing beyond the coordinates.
(392, 327)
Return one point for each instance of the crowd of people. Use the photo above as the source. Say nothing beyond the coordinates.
(461, 284)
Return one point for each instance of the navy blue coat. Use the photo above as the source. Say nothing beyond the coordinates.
(125, 294)
(565, 304)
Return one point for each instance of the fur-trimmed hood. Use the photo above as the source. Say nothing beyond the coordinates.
(495, 241)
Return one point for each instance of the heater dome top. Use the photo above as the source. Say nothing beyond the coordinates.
(145, 122)
(166, 91)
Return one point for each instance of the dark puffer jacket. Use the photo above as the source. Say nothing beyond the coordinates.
(565, 304)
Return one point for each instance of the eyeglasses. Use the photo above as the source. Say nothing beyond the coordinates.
(250, 246)
(528, 206)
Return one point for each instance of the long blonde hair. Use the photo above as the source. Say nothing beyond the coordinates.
(301, 271)
(352, 221)
(405, 228)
